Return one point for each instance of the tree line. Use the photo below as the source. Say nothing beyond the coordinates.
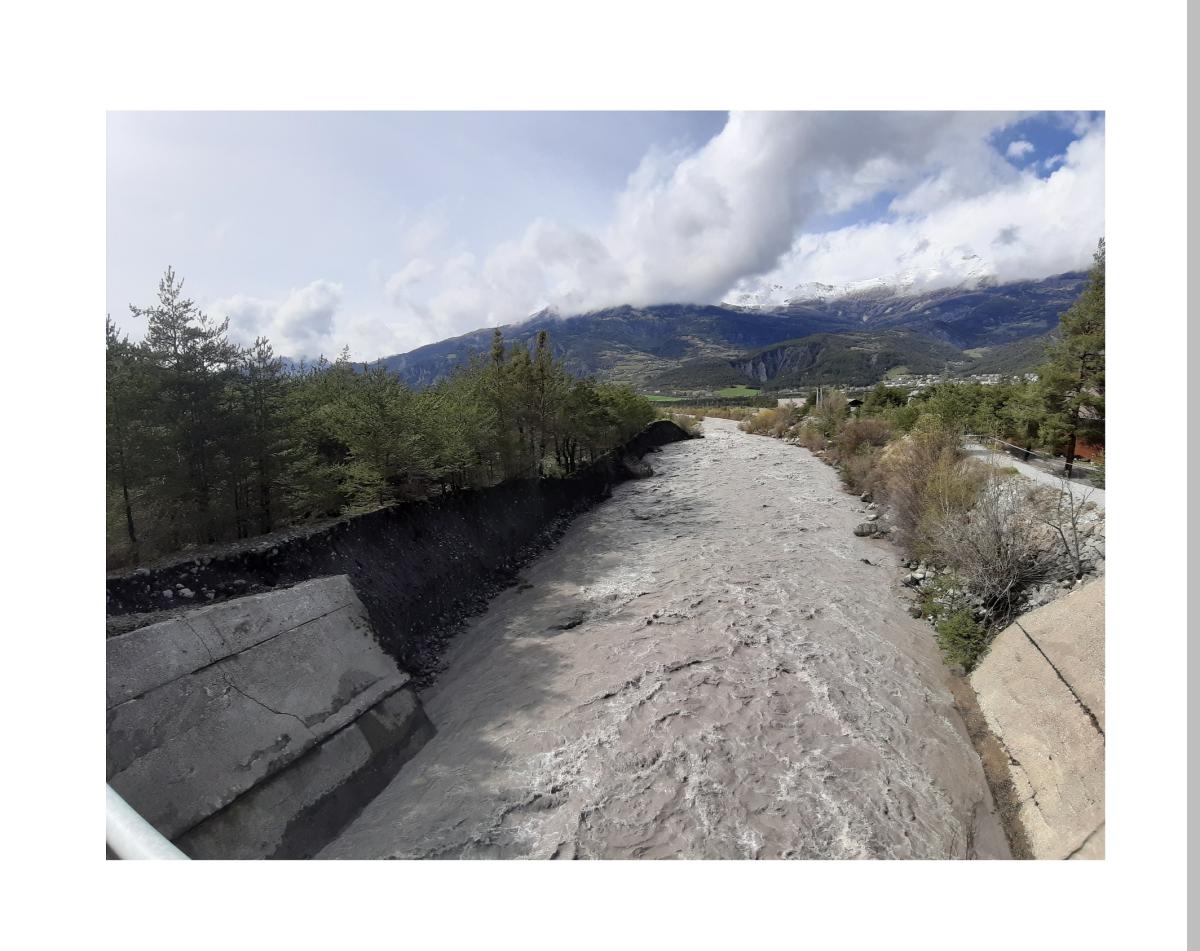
(1057, 412)
(209, 441)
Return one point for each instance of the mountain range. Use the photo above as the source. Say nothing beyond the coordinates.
(852, 335)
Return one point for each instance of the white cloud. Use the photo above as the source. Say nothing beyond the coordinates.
(689, 225)
(1029, 227)
(1019, 148)
(412, 273)
(302, 323)
(738, 214)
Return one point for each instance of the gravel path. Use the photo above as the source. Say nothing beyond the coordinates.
(1003, 460)
(705, 666)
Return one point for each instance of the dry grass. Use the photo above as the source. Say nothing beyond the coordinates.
(686, 421)
(811, 438)
(926, 481)
(720, 412)
(770, 422)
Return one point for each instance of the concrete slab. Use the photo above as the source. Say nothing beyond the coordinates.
(205, 708)
(1071, 633)
(1036, 688)
(150, 656)
(299, 809)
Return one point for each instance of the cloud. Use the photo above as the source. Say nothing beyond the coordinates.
(1009, 235)
(689, 225)
(1028, 227)
(412, 273)
(302, 323)
(1019, 148)
(773, 198)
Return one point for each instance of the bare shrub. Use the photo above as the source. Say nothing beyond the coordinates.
(811, 438)
(830, 412)
(925, 479)
(1061, 511)
(859, 471)
(998, 546)
(770, 422)
(687, 422)
(867, 431)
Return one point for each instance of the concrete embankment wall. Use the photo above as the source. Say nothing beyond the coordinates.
(420, 568)
(1041, 690)
(258, 727)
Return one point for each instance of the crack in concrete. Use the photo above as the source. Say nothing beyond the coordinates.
(1086, 709)
(270, 709)
(1088, 838)
(213, 660)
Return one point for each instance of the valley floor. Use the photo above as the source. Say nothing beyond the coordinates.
(708, 665)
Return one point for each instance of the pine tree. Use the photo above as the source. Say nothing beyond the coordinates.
(261, 393)
(192, 360)
(1072, 382)
(126, 402)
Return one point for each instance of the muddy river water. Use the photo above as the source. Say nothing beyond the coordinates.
(708, 665)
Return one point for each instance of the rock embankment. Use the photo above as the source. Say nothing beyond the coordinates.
(1041, 690)
(420, 568)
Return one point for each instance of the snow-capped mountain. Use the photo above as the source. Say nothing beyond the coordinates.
(962, 271)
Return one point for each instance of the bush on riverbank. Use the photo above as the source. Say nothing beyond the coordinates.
(962, 639)
(999, 541)
(689, 423)
(776, 422)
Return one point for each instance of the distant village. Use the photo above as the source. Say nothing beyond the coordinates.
(920, 382)
(913, 382)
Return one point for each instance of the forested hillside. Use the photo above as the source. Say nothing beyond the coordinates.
(849, 358)
(644, 345)
(208, 441)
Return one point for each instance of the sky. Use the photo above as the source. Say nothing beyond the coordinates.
(386, 231)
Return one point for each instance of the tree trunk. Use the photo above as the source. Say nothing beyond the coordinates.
(1071, 446)
(264, 496)
(129, 527)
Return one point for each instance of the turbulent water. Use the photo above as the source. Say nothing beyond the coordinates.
(706, 666)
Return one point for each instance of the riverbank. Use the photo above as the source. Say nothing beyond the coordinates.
(1041, 690)
(1030, 717)
(421, 568)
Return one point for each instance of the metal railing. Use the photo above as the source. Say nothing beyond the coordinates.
(129, 836)
(1025, 453)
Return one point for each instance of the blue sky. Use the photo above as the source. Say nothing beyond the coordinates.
(384, 231)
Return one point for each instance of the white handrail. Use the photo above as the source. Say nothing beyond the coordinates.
(129, 836)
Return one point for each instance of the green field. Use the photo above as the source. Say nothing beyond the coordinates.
(656, 398)
(734, 391)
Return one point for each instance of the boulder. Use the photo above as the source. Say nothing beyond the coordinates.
(635, 468)
(863, 529)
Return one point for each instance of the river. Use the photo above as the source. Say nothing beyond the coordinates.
(708, 665)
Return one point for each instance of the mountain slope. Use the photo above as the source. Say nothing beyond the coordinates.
(851, 358)
(639, 345)
(1020, 356)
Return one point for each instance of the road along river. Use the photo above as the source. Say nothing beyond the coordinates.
(705, 666)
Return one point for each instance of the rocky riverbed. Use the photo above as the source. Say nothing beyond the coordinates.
(710, 664)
